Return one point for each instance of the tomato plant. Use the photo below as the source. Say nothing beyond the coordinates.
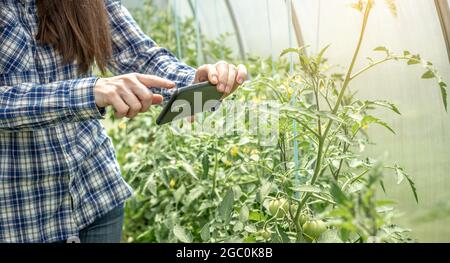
(210, 188)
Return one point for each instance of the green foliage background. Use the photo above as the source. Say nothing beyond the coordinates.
(206, 188)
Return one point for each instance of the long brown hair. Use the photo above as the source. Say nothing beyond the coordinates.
(78, 29)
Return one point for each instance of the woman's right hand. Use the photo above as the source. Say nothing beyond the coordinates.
(129, 94)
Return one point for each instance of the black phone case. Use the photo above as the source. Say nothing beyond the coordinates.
(193, 99)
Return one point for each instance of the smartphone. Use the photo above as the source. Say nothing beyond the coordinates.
(190, 100)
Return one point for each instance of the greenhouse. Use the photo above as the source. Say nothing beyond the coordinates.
(420, 142)
(280, 121)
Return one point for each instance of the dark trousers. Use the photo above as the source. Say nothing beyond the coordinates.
(107, 229)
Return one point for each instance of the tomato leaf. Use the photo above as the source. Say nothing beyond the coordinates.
(381, 49)
(337, 194)
(413, 62)
(415, 59)
(428, 75)
(296, 50)
(385, 202)
(194, 194)
(358, 6)
(189, 169)
(181, 234)
(386, 104)
(392, 7)
(382, 186)
(250, 239)
(265, 189)
(250, 229)
(151, 186)
(205, 165)
(226, 206)
(179, 193)
(401, 176)
(243, 215)
(443, 87)
(307, 189)
(205, 233)
(329, 115)
(371, 119)
(322, 52)
(330, 236)
(256, 216)
(238, 226)
(283, 235)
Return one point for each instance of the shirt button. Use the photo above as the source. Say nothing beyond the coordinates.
(73, 240)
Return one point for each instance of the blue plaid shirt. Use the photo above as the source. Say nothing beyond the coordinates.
(58, 169)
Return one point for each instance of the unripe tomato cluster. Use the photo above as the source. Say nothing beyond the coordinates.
(312, 228)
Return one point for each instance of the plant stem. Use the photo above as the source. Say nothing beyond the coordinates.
(389, 58)
(352, 65)
(345, 85)
(306, 127)
(324, 199)
(318, 161)
(344, 151)
(283, 151)
(316, 95)
(216, 163)
(369, 67)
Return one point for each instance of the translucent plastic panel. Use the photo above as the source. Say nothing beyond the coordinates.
(132, 3)
(422, 143)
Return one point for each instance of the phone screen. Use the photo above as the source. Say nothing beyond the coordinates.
(188, 101)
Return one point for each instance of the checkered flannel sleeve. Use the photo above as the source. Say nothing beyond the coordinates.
(31, 106)
(133, 51)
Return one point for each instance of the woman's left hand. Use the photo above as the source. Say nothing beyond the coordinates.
(227, 77)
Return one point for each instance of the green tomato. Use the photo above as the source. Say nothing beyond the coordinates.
(303, 218)
(273, 207)
(278, 207)
(266, 235)
(314, 228)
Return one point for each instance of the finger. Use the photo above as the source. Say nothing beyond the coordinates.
(213, 75)
(151, 81)
(133, 103)
(241, 77)
(241, 74)
(144, 95)
(202, 73)
(120, 107)
(231, 79)
(222, 71)
(157, 99)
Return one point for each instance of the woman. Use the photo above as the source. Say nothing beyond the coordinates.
(59, 177)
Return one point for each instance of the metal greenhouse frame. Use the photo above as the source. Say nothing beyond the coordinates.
(444, 17)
